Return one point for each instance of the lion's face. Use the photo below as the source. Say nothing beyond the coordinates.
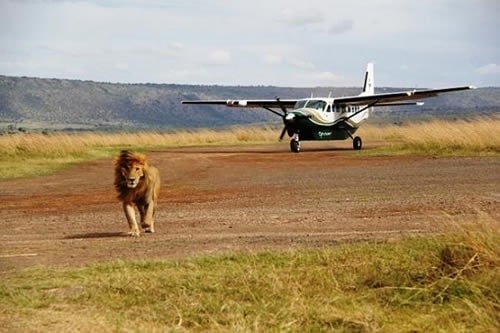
(133, 173)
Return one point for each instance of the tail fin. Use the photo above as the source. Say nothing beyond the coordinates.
(369, 85)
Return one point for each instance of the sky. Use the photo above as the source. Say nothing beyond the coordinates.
(297, 43)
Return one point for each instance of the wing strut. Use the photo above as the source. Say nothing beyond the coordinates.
(361, 110)
(273, 111)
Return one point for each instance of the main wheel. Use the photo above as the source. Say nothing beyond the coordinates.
(295, 146)
(357, 143)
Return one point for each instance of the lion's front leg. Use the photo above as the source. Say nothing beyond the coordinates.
(147, 220)
(132, 223)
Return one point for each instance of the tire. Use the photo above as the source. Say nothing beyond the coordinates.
(295, 146)
(357, 143)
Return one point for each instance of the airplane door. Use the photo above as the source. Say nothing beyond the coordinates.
(329, 113)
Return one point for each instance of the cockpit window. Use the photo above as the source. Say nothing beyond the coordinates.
(316, 104)
(310, 103)
(300, 104)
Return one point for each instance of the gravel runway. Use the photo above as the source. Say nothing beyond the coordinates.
(230, 199)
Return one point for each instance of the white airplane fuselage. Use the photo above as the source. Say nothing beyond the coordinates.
(320, 119)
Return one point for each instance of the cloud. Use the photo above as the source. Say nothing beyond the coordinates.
(124, 3)
(303, 18)
(319, 78)
(131, 40)
(218, 57)
(176, 46)
(341, 27)
(325, 77)
(301, 63)
(122, 66)
(489, 69)
(271, 59)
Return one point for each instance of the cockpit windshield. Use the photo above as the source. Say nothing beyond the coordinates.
(316, 104)
(300, 104)
(310, 103)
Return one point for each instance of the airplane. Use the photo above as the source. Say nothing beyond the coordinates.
(331, 118)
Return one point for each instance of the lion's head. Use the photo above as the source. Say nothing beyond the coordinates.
(132, 173)
(129, 170)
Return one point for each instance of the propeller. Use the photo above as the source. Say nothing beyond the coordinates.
(282, 135)
(285, 119)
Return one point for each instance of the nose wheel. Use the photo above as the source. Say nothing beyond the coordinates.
(357, 143)
(295, 144)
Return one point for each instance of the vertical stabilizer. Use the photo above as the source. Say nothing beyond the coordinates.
(369, 84)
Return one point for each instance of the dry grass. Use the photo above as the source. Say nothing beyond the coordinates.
(60, 144)
(26, 155)
(478, 136)
(445, 283)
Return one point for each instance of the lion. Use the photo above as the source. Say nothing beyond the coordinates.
(138, 186)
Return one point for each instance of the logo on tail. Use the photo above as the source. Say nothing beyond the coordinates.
(369, 85)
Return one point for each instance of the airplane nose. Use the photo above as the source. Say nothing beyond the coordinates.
(290, 117)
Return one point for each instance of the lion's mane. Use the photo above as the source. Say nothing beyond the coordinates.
(126, 194)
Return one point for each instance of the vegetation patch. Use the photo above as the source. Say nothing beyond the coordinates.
(478, 137)
(447, 283)
(31, 154)
(35, 154)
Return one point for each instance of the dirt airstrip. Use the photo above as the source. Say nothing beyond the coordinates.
(225, 199)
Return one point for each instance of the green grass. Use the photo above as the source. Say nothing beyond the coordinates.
(21, 166)
(448, 283)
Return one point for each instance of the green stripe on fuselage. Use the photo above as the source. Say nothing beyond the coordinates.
(309, 130)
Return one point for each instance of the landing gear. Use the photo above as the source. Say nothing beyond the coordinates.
(357, 143)
(295, 144)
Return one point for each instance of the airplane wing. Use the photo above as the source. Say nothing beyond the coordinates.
(388, 99)
(270, 103)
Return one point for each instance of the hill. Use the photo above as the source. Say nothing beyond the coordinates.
(35, 103)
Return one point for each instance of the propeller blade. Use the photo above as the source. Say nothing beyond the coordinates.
(285, 114)
(283, 133)
(281, 106)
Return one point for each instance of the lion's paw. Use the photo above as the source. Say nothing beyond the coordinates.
(149, 230)
(134, 233)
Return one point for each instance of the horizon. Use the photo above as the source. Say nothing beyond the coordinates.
(220, 85)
